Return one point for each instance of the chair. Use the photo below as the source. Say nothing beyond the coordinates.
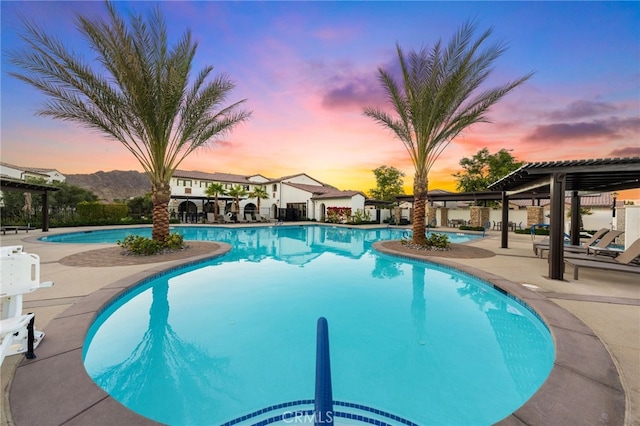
(227, 219)
(539, 248)
(248, 218)
(261, 218)
(622, 263)
(19, 275)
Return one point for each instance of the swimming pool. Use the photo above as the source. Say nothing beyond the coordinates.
(228, 234)
(237, 334)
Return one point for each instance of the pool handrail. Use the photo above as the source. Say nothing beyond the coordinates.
(323, 412)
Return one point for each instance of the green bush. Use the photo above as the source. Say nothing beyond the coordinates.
(92, 210)
(470, 228)
(438, 241)
(435, 241)
(174, 241)
(143, 246)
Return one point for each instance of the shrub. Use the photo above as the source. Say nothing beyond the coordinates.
(92, 210)
(438, 241)
(143, 246)
(338, 214)
(435, 241)
(470, 228)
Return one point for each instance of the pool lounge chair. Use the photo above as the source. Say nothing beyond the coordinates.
(261, 218)
(248, 218)
(623, 263)
(539, 248)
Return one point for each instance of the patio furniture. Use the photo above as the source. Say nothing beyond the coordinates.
(248, 218)
(540, 247)
(623, 263)
(19, 275)
(261, 218)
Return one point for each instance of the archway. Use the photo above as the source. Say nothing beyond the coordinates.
(187, 211)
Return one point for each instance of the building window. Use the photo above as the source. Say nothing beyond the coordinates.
(187, 190)
(184, 182)
(275, 188)
(245, 187)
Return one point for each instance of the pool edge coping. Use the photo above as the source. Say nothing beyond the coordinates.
(595, 389)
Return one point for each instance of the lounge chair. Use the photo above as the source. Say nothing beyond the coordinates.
(249, 218)
(539, 248)
(623, 263)
(227, 219)
(19, 275)
(261, 218)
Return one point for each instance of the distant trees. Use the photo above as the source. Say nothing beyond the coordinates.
(215, 190)
(439, 95)
(259, 193)
(483, 168)
(389, 183)
(141, 206)
(236, 192)
(17, 206)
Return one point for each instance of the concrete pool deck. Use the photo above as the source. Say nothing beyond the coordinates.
(595, 322)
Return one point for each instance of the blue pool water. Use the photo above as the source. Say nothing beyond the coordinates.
(216, 341)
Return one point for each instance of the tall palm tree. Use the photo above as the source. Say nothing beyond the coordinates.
(437, 99)
(259, 193)
(236, 192)
(214, 190)
(137, 91)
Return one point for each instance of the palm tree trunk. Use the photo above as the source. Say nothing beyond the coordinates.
(419, 203)
(160, 195)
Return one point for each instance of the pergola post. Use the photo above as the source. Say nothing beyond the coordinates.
(45, 211)
(556, 232)
(575, 218)
(505, 221)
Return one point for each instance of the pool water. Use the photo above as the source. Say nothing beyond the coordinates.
(213, 342)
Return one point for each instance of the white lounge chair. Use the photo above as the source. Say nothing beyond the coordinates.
(19, 275)
(248, 218)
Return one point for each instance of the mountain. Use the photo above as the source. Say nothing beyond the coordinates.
(116, 184)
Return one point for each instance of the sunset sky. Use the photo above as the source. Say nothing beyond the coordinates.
(307, 70)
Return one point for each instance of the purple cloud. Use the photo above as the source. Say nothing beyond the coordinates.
(629, 151)
(568, 131)
(358, 93)
(582, 109)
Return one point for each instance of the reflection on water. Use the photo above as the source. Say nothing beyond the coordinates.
(218, 340)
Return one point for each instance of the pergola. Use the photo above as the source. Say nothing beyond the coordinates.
(556, 177)
(10, 184)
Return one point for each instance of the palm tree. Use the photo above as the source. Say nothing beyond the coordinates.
(259, 193)
(438, 99)
(137, 91)
(215, 190)
(237, 192)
